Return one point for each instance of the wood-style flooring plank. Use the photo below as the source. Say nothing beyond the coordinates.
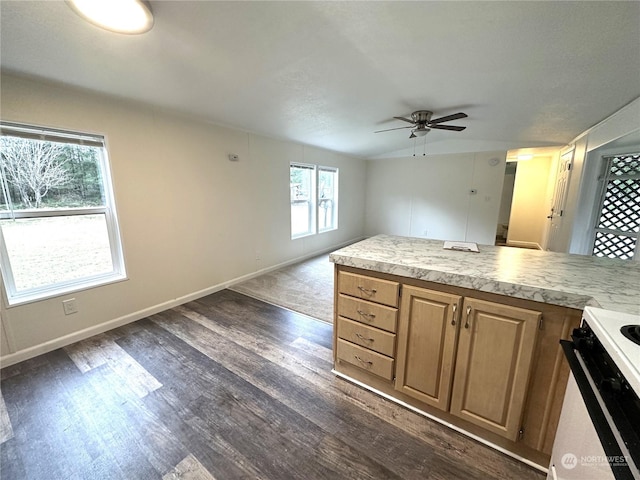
(100, 350)
(189, 469)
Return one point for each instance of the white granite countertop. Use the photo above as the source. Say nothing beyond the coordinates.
(574, 281)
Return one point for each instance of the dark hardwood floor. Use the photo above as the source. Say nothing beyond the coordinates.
(226, 387)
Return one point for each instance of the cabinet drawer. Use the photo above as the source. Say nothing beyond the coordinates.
(372, 338)
(369, 288)
(366, 359)
(368, 313)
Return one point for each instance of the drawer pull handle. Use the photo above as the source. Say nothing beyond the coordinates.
(363, 338)
(466, 324)
(365, 314)
(367, 291)
(364, 362)
(453, 316)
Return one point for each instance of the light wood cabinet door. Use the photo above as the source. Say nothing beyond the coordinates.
(427, 345)
(495, 349)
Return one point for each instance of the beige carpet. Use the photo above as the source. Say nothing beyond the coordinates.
(306, 287)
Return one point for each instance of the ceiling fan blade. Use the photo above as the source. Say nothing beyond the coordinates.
(389, 129)
(404, 119)
(448, 127)
(448, 118)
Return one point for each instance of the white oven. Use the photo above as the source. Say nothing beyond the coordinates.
(598, 436)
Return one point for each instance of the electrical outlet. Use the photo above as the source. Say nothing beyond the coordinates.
(70, 306)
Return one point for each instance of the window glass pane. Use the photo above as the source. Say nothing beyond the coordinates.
(618, 221)
(40, 174)
(614, 246)
(302, 199)
(327, 199)
(53, 250)
(620, 205)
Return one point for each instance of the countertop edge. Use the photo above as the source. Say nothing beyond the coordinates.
(524, 292)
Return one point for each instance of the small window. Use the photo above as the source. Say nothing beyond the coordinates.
(327, 199)
(303, 191)
(58, 226)
(618, 221)
(314, 199)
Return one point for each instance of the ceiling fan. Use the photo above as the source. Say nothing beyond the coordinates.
(422, 124)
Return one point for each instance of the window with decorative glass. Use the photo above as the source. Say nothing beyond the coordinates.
(618, 214)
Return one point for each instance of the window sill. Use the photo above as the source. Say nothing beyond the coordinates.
(23, 299)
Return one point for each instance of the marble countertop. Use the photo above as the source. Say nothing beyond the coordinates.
(574, 281)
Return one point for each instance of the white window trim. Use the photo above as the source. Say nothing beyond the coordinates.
(13, 297)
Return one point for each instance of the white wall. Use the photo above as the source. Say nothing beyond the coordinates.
(191, 220)
(530, 203)
(430, 196)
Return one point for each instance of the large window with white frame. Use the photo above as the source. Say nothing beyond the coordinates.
(617, 224)
(314, 199)
(58, 224)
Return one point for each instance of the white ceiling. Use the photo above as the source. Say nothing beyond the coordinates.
(331, 73)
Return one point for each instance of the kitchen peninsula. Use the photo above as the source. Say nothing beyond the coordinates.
(470, 339)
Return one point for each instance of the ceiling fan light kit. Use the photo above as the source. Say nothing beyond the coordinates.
(421, 123)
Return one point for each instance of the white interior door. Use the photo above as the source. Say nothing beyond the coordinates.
(554, 241)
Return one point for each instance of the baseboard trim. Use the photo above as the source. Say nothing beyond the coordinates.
(519, 244)
(302, 258)
(48, 346)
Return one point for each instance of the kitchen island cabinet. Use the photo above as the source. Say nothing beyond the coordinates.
(502, 378)
(493, 364)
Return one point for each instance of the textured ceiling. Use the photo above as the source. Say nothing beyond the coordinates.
(331, 73)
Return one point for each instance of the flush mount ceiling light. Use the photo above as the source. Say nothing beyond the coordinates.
(121, 16)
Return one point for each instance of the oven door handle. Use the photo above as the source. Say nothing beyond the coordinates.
(598, 418)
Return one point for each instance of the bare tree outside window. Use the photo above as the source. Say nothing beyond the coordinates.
(32, 168)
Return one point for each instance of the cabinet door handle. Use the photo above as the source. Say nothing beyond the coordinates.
(466, 324)
(364, 362)
(363, 338)
(365, 314)
(453, 316)
(367, 291)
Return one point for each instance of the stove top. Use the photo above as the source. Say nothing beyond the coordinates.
(616, 332)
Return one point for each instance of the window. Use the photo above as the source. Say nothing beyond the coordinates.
(314, 199)
(327, 198)
(618, 222)
(58, 226)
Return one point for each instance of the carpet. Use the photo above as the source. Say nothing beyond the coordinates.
(305, 287)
